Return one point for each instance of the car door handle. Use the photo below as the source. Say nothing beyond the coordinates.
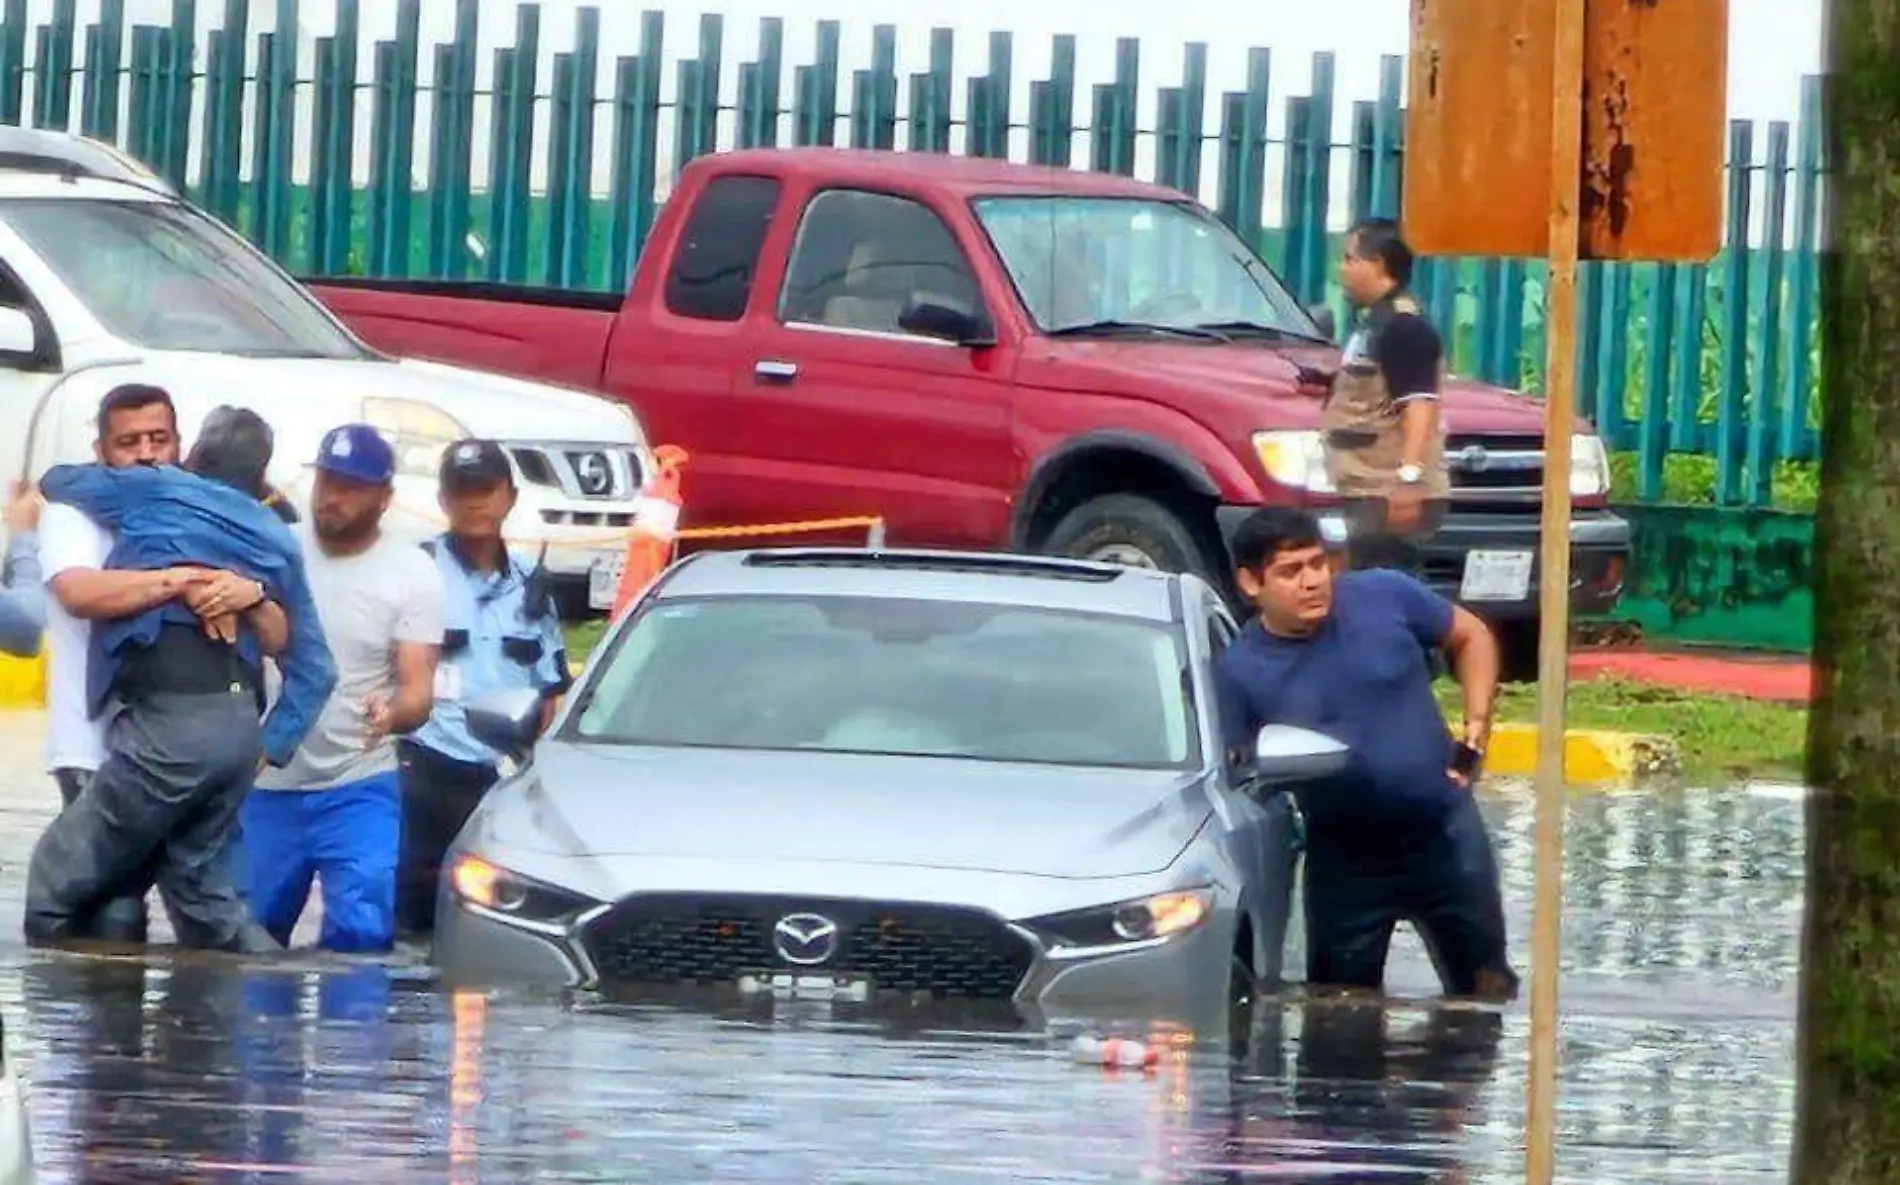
(771, 370)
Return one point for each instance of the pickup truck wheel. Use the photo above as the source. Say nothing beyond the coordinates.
(1133, 530)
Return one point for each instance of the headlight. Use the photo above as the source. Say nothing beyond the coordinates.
(479, 882)
(418, 432)
(1294, 459)
(1589, 467)
(1140, 920)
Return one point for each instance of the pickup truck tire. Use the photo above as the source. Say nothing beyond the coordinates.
(1137, 530)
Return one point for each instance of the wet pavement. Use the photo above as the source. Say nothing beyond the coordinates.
(1681, 950)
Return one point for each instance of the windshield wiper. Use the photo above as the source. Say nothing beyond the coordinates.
(1092, 328)
(1257, 329)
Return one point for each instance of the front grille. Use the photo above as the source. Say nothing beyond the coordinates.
(586, 471)
(707, 938)
(1485, 467)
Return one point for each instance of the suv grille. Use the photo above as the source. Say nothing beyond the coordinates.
(711, 938)
(589, 471)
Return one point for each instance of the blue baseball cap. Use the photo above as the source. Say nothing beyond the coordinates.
(358, 452)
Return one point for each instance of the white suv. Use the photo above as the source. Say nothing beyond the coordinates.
(107, 276)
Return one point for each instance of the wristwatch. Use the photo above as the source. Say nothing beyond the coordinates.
(1411, 474)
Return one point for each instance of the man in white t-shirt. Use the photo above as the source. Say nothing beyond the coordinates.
(138, 425)
(334, 814)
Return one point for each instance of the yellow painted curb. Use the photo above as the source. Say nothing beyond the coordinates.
(23, 681)
(1590, 755)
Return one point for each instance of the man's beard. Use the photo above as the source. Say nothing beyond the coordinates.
(352, 530)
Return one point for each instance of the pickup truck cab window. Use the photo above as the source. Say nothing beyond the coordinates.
(718, 255)
(1079, 261)
(861, 257)
(160, 276)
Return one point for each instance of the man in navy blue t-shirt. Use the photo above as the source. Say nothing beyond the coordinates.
(1397, 835)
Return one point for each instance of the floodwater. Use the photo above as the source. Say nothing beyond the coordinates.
(1681, 950)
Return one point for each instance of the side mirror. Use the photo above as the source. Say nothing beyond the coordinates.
(1283, 754)
(506, 721)
(1328, 324)
(19, 336)
(944, 317)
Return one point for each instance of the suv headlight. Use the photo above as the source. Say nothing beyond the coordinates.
(1296, 459)
(1140, 920)
(1589, 467)
(418, 432)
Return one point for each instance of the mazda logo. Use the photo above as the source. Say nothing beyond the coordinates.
(596, 476)
(1474, 458)
(805, 939)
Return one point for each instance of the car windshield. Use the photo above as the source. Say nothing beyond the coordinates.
(161, 276)
(1083, 261)
(891, 676)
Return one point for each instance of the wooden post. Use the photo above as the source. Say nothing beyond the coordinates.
(1566, 162)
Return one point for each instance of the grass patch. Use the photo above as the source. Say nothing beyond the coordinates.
(1716, 734)
(583, 636)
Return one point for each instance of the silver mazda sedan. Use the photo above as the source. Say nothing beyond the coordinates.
(855, 775)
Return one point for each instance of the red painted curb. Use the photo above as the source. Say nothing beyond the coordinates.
(1774, 678)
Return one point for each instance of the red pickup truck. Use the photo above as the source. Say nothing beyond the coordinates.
(989, 355)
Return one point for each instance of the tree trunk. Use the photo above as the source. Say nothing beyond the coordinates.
(1848, 1113)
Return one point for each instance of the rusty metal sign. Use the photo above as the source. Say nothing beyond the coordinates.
(1478, 120)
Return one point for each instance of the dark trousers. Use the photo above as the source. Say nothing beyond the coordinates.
(122, 919)
(439, 793)
(1446, 883)
(1372, 543)
(161, 810)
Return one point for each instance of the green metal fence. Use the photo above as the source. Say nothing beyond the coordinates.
(1698, 374)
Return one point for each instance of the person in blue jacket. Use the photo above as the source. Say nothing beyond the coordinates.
(182, 689)
(23, 600)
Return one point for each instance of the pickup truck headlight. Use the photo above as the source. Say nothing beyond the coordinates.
(1296, 459)
(1141, 920)
(417, 431)
(1589, 467)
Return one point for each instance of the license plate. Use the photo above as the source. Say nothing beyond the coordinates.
(851, 989)
(603, 581)
(1496, 576)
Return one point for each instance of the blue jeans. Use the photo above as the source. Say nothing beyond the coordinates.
(1445, 882)
(346, 838)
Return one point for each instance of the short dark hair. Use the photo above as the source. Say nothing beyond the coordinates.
(133, 397)
(234, 447)
(1379, 238)
(1271, 530)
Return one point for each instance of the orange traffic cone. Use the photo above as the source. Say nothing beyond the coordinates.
(655, 528)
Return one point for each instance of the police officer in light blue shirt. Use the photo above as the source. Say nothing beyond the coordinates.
(500, 632)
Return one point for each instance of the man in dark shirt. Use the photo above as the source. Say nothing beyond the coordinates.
(1397, 835)
(1384, 438)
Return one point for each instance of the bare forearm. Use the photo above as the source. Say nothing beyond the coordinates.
(1418, 423)
(272, 626)
(93, 594)
(1475, 663)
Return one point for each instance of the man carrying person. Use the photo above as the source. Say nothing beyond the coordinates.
(502, 633)
(174, 675)
(334, 812)
(1385, 442)
(1397, 835)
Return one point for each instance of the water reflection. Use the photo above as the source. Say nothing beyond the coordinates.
(1681, 944)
